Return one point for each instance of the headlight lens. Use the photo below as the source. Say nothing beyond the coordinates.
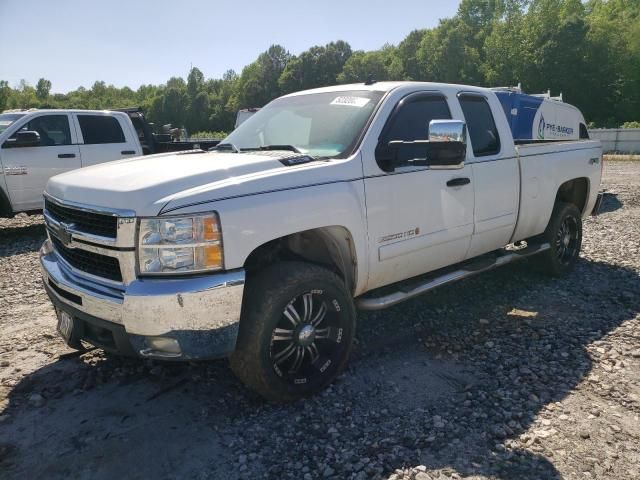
(185, 244)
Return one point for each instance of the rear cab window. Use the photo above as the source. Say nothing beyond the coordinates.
(584, 133)
(100, 129)
(481, 125)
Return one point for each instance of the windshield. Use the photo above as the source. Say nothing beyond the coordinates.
(317, 124)
(7, 119)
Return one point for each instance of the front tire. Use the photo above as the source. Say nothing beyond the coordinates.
(564, 234)
(296, 332)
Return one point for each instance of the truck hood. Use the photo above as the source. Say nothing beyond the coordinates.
(155, 183)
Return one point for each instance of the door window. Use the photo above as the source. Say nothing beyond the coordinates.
(97, 129)
(53, 130)
(411, 121)
(481, 125)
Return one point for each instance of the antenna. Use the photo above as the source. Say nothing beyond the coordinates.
(370, 80)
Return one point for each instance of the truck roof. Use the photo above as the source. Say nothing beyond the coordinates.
(388, 86)
(59, 110)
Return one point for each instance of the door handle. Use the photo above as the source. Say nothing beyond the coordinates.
(128, 152)
(66, 155)
(458, 182)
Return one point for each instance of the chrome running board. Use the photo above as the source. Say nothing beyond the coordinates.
(407, 291)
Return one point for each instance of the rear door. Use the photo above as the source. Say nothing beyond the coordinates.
(27, 169)
(105, 137)
(495, 173)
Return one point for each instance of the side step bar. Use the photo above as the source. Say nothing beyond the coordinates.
(407, 292)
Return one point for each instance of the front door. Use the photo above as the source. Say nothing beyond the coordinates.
(419, 219)
(28, 168)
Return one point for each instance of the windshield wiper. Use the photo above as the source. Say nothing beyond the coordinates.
(226, 146)
(290, 148)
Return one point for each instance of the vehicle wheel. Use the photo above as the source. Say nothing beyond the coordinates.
(564, 234)
(296, 332)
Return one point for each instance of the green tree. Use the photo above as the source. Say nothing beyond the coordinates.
(222, 112)
(174, 106)
(448, 54)
(5, 93)
(570, 46)
(614, 58)
(23, 97)
(198, 114)
(43, 87)
(177, 83)
(195, 82)
(505, 54)
(258, 83)
(383, 64)
(556, 50)
(319, 66)
(407, 54)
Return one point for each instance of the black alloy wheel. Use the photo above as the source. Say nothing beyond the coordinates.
(296, 330)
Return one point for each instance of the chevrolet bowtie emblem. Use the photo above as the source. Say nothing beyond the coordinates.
(64, 233)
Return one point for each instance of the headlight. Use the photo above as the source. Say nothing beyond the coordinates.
(185, 244)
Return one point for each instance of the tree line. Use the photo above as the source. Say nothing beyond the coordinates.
(589, 52)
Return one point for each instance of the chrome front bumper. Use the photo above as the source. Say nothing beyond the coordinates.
(178, 318)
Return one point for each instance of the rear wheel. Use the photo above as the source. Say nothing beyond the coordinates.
(564, 235)
(296, 332)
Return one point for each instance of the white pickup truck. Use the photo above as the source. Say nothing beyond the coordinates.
(324, 201)
(38, 144)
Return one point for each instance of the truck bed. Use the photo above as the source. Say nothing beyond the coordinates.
(546, 166)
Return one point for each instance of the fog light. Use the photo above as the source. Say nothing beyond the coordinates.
(157, 346)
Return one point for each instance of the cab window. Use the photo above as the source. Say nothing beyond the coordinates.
(98, 129)
(481, 125)
(584, 133)
(53, 130)
(411, 122)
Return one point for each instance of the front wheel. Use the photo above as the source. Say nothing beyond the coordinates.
(564, 235)
(296, 332)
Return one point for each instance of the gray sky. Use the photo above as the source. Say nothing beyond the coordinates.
(133, 42)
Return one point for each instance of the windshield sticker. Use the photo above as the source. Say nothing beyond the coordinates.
(4, 123)
(351, 101)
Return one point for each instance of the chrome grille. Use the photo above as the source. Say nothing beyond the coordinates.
(89, 222)
(89, 262)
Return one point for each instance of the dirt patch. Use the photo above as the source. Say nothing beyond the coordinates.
(622, 158)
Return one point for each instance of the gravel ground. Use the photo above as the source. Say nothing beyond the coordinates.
(506, 375)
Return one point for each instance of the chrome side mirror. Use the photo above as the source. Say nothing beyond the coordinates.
(447, 131)
(445, 148)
